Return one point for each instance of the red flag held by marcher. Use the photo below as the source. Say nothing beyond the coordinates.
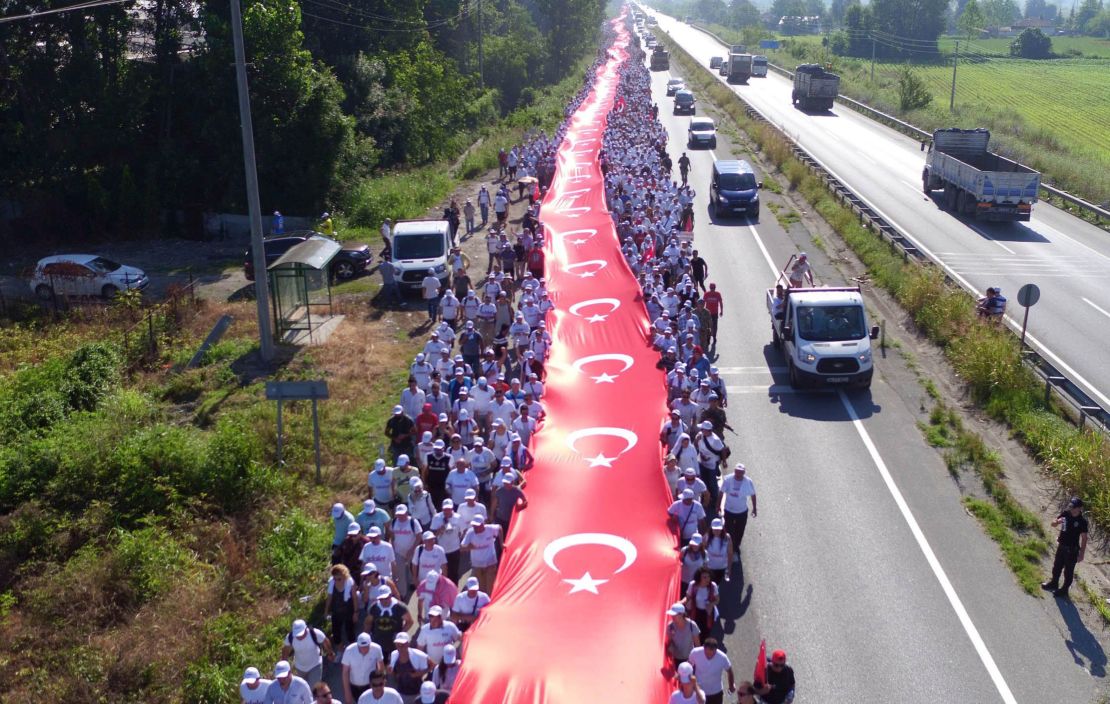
(760, 676)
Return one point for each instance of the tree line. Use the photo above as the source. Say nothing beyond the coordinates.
(123, 119)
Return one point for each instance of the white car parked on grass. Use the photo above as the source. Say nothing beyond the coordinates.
(84, 275)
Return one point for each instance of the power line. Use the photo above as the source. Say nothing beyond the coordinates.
(422, 27)
(57, 10)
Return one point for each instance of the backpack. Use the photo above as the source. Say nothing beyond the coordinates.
(311, 634)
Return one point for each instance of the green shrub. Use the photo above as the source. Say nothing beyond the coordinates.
(295, 552)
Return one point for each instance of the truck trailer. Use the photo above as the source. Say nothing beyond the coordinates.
(814, 87)
(976, 182)
(739, 65)
(660, 59)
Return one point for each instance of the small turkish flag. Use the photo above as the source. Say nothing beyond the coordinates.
(760, 676)
(620, 104)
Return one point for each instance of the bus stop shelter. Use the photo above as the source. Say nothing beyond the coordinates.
(300, 287)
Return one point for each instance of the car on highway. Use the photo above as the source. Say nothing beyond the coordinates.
(684, 103)
(84, 275)
(716, 61)
(702, 133)
(352, 259)
(734, 189)
(674, 85)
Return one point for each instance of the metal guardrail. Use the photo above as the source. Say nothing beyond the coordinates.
(1099, 213)
(1056, 383)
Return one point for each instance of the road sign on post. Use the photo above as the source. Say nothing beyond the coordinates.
(298, 391)
(1028, 295)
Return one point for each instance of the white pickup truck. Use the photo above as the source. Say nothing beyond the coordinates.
(824, 335)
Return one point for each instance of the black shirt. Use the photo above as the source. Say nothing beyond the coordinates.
(698, 265)
(439, 464)
(782, 683)
(399, 426)
(1072, 528)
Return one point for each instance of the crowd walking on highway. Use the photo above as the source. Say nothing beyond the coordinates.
(413, 566)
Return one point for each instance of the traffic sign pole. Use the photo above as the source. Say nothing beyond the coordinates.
(1028, 295)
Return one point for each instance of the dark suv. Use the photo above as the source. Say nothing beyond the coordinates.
(351, 261)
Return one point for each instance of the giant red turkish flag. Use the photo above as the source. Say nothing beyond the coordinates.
(590, 568)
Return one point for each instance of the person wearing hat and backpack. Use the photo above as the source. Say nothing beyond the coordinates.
(308, 646)
(468, 604)
(682, 634)
(1071, 546)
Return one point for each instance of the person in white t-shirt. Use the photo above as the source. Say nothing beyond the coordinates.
(686, 516)
(404, 536)
(287, 688)
(379, 693)
(709, 664)
(430, 288)
(308, 647)
(481, 542)
(449, 307)
(459, 481)
(446, 670)
(427, 557)
(408, 666)
(735, 490)
(449, 529)
(468, 604)
(378, 552)
(471, 508)
(360, 661)
(688, 691)
(437, 634)
(252, 690)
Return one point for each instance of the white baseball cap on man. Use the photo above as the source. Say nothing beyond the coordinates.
(282, 669)
(251, 675)
(427, 693)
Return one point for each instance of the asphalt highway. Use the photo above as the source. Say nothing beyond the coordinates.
(1066, 257)
(862, 563)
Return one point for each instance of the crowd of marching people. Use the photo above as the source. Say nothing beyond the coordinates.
(413, 568)
(652, 213)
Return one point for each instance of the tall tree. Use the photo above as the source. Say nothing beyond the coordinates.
(972, 21)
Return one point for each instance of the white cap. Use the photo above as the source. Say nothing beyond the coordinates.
(677, 609)
(251, 675)
(282, 669)
(436, 610)
(402, 637)
(369, 506)
(353, 529)
(685, 672)
(471, 494)
(376, 532)
(402, 460)
(428, 535)
(447, 503)
(449, 654)
(415, 482)
(740, 467)
(337, 510)
(705, 425)
(478, 521)
(401, 510)
(364, 640)
(472, 583)
(299, 627)
(384, 591)
(686, 494)
(379, 464)
(689, 472)
(432, 577)
(397, 410)
(427, 693)
(438, 445)
(716, 524)
(695, 539)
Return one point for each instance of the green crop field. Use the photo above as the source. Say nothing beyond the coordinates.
(1051, 114)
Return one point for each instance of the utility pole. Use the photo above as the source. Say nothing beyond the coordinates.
(481, 63)
(872, 58)
(258, 253)
(955, 60)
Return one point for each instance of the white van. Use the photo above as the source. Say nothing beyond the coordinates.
(759, 66)
(420, 245)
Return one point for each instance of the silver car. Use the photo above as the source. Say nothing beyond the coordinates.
(84, 275)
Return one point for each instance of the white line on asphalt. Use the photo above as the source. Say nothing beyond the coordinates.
(1100, 310)
(916, 188)
(931, 558)
(1041, 224)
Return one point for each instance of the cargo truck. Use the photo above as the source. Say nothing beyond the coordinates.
(823, 334)
(814, 87)
(976, 182)
(739, 66)
(660, 59)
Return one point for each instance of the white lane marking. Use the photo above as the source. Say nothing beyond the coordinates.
(986, 234)
(916, 188)
(1100, 310)
(931, 558)
(1041, 225)
(766, 255)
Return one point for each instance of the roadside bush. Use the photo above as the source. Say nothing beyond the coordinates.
(989, 360)
(295, 552)
(91, 373)
(913, 92)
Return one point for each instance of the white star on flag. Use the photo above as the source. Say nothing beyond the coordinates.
(604, 378)
(585, 583)
(601, 461)
(578, 241)
(596, 318)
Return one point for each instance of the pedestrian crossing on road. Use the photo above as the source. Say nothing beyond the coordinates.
(975, 264)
